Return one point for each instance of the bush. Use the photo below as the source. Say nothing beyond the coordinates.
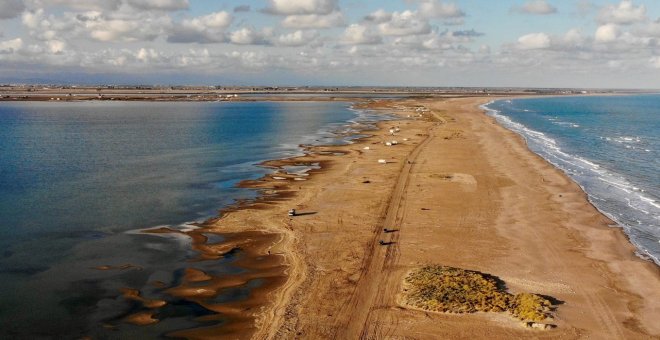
(455, 290)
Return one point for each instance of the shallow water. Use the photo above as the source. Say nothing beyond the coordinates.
(78, 179)
(609, 145)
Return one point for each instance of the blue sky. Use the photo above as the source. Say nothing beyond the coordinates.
(527, 43)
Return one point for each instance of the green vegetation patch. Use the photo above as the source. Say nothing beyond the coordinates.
(454, 290)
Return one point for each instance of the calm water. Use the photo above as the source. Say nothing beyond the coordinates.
(609, 145)
(77, 179)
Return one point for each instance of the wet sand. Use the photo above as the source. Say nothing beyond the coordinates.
(461, 191)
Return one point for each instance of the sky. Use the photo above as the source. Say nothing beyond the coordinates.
(507, 43)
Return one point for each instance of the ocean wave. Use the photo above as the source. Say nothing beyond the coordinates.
(611, 193)
(569, 124)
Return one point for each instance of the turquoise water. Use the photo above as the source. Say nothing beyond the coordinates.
(609, 145)
(77, 180)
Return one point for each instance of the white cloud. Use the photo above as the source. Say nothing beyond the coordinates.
(358, 34)
(144, 59)
(625, 13)
(56, 46)
(146, 55)
(573, 38)
(32, 19)
(248, 36)
(297, 38)
(447, 40)
(87, 5)
(163, 5)
(114, 30)
(111, 27)
(301, 7)
(11, 8)
(217, 20)
(405, 23)
(106, 35)
(607, 33)
(439, 9)
(379, 16)
(651, 29)
(204, 29)
(250, 60)
(534, 41)
(303, 21)
(541, 7)
(11, 46)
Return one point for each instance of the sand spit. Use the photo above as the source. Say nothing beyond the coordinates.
(458, 190)
(461, 192)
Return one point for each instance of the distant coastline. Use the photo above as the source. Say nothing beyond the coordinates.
(247, 93)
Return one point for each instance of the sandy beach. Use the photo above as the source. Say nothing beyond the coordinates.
(457, 190)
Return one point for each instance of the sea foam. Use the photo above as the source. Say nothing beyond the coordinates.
(611, 192)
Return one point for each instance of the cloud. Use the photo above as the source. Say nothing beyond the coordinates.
(249, 36)
(573, 39)
(144, 60)
(114, 30)
(446, 40)
(106, 36)
(405, 23)
(439, 9)
(242, 8)
(651, 29)
(468, 33)
(32, 20)
(56, 46)
(359, 34)
(304, 21)
(534, 41)
(301, 7)
(607, 33)
(11, 46)
(216, 20)
(162, 5)
(11, 8)
(379, 16)
(87, 5)
(297, 38)
(204, 29)
(146, 55)
(625, 13)
(110, 27)
(539, 7)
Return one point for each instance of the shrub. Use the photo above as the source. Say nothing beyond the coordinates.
(454, 290)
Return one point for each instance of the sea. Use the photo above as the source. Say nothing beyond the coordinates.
(609, 145)
(80, 180)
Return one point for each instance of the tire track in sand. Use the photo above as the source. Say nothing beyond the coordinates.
(373, 283)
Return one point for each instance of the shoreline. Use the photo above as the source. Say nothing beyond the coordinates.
(615, 223)
(263, 254)
(302, 274)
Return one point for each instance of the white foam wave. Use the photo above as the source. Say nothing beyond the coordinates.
(635, 211)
